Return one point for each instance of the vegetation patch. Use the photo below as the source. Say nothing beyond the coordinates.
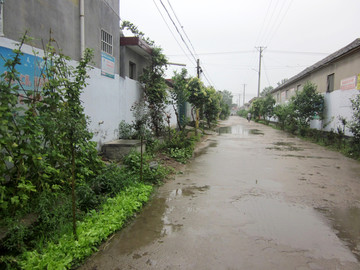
(95, 228)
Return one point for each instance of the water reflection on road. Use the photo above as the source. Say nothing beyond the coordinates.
(255, 198)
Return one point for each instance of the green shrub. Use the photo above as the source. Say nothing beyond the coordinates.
(150, 175)
(95, 228)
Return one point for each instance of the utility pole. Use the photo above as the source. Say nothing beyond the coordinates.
(244, 95)
(260, 49)
(198, 70)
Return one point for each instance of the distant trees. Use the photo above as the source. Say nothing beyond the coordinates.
(296, 114)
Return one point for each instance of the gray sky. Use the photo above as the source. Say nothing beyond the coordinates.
(224, 34)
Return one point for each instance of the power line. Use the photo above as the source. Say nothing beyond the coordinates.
(273, 23)
(182, 38)
(182, 27)
(172, 32)
(287, 10)
(248, 51)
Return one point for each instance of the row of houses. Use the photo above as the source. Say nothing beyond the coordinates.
(75, 25)
(337, 77)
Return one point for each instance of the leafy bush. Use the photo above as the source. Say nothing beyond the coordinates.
(354, 125)
(95, 228)
(150, 174)
(181, 155)
(126, 131)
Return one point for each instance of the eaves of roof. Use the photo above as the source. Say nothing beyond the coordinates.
(136, 44)
(352, 47)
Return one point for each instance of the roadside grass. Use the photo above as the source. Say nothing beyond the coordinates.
(328, 139)
(94, 229)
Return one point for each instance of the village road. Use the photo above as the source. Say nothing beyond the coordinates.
(255, 198)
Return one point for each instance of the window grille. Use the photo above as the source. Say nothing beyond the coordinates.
(106, 42)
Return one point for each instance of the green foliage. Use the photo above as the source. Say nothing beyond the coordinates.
(285, 115)
(151, 175)
(179, 94)
(307, 104)
(243, 113)
(95, 228)
(225, 104)
(126, 131)
(155, 89)
(197, 93)
(256, 108)
(212, 106)
(266, 91)
(354, 125)
(181, 154)
(263, 107)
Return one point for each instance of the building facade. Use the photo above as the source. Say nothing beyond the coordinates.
(113, 86)
(337, 77)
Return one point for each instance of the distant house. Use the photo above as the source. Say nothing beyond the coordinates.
(337, 77)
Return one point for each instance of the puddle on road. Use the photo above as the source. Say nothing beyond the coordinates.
(346, 222)
(239, 130)
(256, 132)
(299, 227)
(285, 146)
(152, 223)
(187, 191)
(204, 150)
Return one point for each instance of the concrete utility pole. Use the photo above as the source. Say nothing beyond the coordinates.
(260, 49)
(198, 70)
(244, 95)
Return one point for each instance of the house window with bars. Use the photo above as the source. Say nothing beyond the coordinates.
(106, 42)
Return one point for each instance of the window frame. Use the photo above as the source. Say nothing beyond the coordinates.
(132, 70)
(106, 42)
(330, 87)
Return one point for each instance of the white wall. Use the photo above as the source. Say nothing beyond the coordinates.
(106, 101)
(337, 103)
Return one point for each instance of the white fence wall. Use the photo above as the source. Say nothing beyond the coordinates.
(337, 104)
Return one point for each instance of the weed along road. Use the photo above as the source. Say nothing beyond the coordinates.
(254, 198)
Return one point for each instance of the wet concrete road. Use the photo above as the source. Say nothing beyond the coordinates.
(256, 198)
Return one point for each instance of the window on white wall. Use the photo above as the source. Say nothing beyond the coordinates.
(106, 42)
(330, 83)
(132, 70)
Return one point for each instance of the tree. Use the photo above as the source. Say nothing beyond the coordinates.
(266, 91)
(282, 81)
(197, 97)
(354, 125)
(179, 93)
(212, 106)
(268, 106)
(225, 104)
(257, 108)
(284, 114)
(308, 103)
(227, 97)
(155, 89)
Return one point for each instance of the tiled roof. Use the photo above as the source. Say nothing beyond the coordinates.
(352, 46)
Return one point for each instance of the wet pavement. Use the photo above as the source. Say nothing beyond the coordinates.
(255, 198)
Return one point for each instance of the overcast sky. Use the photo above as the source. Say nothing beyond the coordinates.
(224, 34)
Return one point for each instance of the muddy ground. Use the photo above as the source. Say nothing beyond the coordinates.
(252, 198)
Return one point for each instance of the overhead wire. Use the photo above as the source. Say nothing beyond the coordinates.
(182, 38)
(192, 53)
(182, 27)
(172, 33)
(282, 19)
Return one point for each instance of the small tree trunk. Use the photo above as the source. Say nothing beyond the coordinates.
(141, 157)
(73, 190)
